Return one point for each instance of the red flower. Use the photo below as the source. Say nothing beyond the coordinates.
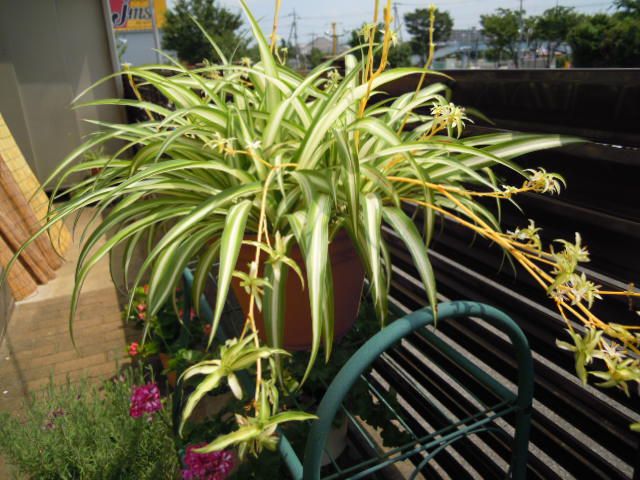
(145, 289)
(207, 466)
(145, 399)
(192, 313)
(133, 349)
(142, 307)
(207, 329)
(142, 315)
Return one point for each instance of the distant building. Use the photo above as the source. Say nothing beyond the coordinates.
(468, 36)
(324, 44)
(461, 50)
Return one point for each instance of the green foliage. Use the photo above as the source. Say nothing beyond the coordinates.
(121, 47)
(601, 41)
(417, 23)
(234, 356)
(267, 466)
(84, 431)
(183, 36)
(586, 41)
(360, 400)
(399, 54)
(181, 335)
(553, 27)
(260, 151)
(628, 7)
(584, 348)
(315, 57)
(502, 31)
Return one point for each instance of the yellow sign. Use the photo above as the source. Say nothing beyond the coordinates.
(127, 15)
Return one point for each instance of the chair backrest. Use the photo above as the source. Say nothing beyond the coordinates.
(362, 360)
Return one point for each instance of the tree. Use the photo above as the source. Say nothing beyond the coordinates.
(622, 42)
(601, 41)
(399, 54)
(315, 57)
(502, 32)
(182, 35)
(553, 27)
(417, 23)
(586, 40)
(628, 7)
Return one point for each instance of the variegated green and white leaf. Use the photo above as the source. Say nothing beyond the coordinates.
(408, 233)
(230, 244)
(316, 259)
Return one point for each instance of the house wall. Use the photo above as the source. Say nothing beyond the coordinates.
(50, 51)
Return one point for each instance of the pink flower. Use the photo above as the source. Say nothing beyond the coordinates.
(207, 466)
(142, 307)
(133, 349)
(142, 315)
(145, 399)
(192, 313)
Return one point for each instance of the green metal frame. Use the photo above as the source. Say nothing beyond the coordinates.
(430, 445)
(510, 403)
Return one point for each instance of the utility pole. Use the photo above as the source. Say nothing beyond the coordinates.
(334, 36)
(313, 42)
(294, 31)
(521, 39)
(397, 26)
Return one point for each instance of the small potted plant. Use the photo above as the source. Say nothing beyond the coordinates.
(173, 337)
(254, 163)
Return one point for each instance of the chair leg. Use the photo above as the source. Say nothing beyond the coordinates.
(521, 445)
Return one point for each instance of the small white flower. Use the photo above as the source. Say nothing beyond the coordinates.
(544, 182)
(529, 235)
(393, 38)
(451, 116)
(5, 392)
(253, 145)
(367, 30)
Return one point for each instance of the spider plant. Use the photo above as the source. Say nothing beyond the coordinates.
(258, 153)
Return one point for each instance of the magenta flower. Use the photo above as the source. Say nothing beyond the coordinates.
(207, 466)
(145, 399)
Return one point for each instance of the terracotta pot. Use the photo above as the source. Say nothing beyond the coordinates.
(348, 279)
(172, 377)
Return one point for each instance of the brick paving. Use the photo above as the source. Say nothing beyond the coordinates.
(37, 346)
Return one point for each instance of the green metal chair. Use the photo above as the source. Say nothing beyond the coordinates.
(430, 445)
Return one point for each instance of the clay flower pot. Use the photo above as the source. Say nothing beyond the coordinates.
(172, 377)
(348, 279)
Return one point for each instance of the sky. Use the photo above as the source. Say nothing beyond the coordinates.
(316, 15)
